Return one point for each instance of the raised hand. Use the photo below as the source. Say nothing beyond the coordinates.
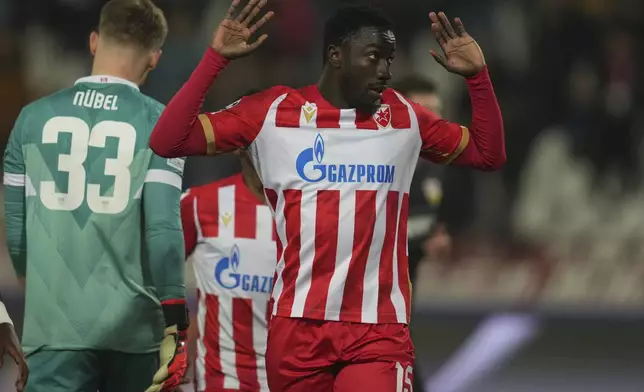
(232, 35)
(462, 55)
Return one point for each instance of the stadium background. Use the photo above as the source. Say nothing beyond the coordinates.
(545, 290)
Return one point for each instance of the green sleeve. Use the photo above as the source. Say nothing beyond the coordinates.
(14, 197)
(162, 225)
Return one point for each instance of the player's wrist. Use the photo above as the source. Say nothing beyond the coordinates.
(216, 60)
(481, 76)
(175, 312)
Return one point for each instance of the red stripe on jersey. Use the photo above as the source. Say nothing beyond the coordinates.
(292, 216)
(385, 273)
(208, 214)
(271, 196)
(365, 120)
(403, 263)
(245, 215)
(365, 221)
(326, 245)
(213, 374)
(288, 114)
(328, 117)
(245, 355)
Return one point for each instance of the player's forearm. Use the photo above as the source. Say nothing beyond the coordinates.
(486, 147)
(178, 133)
(15, 228)
(166, 254)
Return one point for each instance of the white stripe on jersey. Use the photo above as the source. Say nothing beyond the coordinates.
(371, 281)
(280, 224)
(346, 225)
(200, 362)
(227, 212)
(307, 254)
(13, 179)
(163, 177)
(264, 228)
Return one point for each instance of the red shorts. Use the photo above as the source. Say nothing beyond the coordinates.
(306, 355)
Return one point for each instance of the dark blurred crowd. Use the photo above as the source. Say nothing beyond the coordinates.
(564, 66)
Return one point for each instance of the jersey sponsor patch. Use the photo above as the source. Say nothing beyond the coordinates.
(177, 163)
(232, 105)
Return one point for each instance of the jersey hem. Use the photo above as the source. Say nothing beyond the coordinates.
(32, 349)
(350, 317)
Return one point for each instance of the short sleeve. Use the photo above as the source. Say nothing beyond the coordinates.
(238, 124)
(442, 141)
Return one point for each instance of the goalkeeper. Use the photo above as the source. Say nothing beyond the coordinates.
(93, 222)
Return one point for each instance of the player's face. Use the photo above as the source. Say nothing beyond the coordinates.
(367, 59)
(429, 101)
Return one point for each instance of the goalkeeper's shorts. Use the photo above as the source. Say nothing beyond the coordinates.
(90, 371)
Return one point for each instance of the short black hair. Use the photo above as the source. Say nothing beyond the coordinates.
(348, 20)
(414, 84)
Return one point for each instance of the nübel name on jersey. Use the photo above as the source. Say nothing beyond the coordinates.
(228, 277)
(310, 168)
(94, 100)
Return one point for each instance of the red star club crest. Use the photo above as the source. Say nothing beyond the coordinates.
(383, 116)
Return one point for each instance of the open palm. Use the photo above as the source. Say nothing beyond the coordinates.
(462, 55)
(233, 33)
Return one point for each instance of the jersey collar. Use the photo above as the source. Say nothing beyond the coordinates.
(106, 79)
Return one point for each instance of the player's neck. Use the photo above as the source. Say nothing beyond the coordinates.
(120, 65)
(331, 91)
(253, 183)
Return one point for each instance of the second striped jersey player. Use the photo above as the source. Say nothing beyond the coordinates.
(229, 233)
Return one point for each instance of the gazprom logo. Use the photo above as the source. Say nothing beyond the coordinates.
(310, 167)
(228, 277)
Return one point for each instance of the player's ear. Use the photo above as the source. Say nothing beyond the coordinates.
(334, 56)
(154, 60)
(93, 42)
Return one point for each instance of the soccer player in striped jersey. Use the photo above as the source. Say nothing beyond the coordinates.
(336, 160)
(228, 231)
(93, 221)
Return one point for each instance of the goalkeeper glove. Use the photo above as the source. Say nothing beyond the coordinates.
(173, 353)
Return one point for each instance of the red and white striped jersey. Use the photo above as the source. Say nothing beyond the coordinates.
(230, 234)
(337, 181)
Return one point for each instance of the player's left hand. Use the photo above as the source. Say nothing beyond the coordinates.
(462, 55)
(174, 361)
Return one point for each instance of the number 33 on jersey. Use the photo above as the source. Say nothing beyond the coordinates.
(83, 159)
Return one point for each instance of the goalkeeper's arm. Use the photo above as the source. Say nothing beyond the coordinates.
(14, 180)
(164, 244)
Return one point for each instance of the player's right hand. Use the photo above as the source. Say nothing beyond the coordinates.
(174, 361)
(10, 345)
(231, 39)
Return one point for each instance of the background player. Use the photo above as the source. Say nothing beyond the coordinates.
(228, 230)
(336, 160)
(93, 220)
(427, 237)
(10, 345)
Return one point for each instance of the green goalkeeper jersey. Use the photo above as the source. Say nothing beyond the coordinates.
(93, 219)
